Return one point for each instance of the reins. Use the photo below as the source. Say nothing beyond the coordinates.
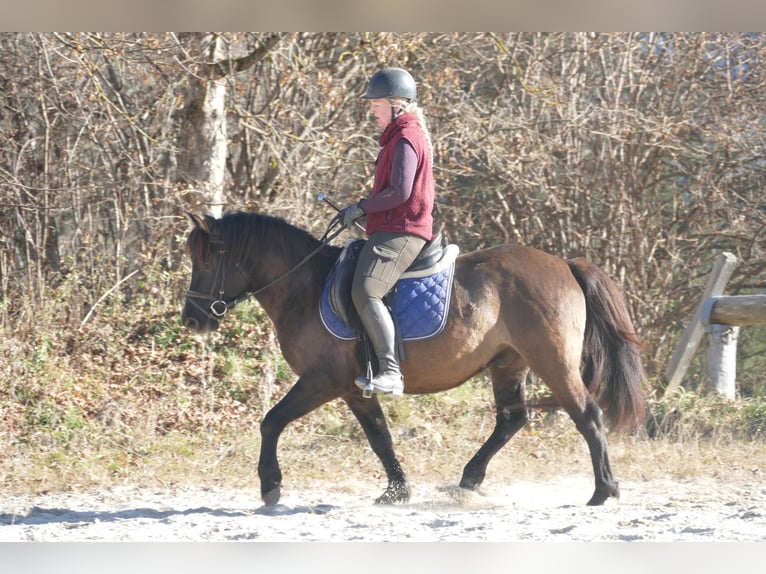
(219, 306)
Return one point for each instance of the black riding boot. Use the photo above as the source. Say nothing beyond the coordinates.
(380, 329)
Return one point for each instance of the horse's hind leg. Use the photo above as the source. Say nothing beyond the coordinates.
(591, 427)
(371, 417)
(570, 392)
(508, 385)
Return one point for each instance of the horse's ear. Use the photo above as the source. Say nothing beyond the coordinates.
(199, 222)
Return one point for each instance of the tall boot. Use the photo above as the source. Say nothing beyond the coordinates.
(380, 329)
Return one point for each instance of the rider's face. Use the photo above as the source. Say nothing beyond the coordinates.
(381, 109)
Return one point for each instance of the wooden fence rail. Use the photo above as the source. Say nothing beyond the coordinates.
(719, 317)
(735, 310)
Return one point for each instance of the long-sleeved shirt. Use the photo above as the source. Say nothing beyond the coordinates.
(400, 186)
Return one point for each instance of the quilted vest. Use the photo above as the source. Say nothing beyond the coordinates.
(414, 216)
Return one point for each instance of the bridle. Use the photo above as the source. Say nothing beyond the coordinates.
(218, 305)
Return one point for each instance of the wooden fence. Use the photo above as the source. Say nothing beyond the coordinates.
(720, 317)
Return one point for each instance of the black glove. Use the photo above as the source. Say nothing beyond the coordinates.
(351, 214)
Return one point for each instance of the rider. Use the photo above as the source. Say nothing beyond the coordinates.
(399, 214)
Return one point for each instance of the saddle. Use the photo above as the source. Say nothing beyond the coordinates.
(418, 303)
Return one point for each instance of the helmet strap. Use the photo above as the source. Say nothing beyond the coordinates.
(394, 113)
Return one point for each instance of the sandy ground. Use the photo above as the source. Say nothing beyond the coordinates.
(656, 510)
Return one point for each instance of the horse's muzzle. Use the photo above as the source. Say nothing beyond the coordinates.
(197, 319)
(191, 323)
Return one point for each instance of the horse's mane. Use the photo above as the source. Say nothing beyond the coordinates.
(243, 232)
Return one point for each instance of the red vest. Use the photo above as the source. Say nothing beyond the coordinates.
(414, 216)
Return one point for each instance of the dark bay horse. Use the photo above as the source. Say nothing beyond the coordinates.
(513, 309)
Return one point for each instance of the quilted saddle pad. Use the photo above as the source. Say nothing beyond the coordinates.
(419, 301)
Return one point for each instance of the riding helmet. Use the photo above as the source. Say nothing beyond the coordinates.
(391, 83)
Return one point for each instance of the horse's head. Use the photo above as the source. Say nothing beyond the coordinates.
(217, 283)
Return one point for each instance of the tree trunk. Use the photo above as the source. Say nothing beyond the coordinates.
(202, 162)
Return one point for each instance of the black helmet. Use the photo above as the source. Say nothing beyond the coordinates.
(391, 83)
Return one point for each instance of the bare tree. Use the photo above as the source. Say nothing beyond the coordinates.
(211, 59)
(644, 152)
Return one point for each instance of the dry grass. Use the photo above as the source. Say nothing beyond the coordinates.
(431, 448)
(139, 401)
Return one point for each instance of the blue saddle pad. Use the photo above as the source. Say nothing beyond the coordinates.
(420, 305)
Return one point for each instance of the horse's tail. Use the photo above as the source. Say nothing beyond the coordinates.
(612, 368)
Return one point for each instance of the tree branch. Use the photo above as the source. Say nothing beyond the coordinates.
(220, 70)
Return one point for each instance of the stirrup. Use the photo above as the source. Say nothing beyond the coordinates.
(373, 386)
(365, 383)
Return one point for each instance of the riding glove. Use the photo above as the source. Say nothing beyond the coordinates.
(351, 214)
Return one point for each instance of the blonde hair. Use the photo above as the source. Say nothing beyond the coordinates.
(412, 107)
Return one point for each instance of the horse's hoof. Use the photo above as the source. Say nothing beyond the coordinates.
(472, 483)
(603, 493)
(393, 494)
(465, 498)
(272, 497)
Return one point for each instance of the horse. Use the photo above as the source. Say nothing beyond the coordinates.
(513, 309)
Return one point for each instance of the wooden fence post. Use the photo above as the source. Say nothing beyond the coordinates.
(722, 317)
(690, 340)
(722, 359)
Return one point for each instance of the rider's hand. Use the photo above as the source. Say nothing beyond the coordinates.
(351, 214)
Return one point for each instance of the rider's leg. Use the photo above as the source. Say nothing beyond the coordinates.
(383, 259)
(380, 329)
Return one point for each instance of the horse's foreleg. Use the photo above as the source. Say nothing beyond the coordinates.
(508, 385)
(309, 393)
(371, 417)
